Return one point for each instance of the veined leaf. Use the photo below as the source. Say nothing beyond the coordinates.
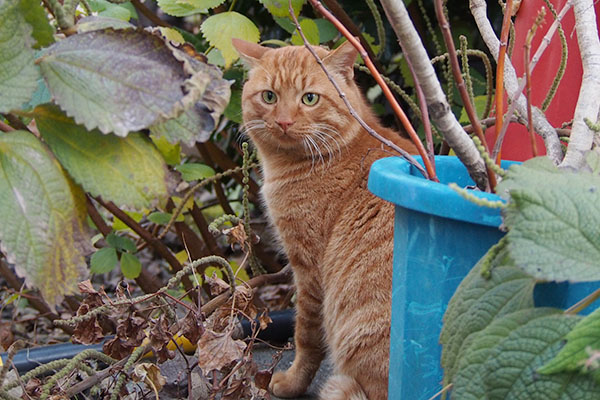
(18, 74)
(121, 243)
(199, 118)
(220, 28)
(280, 8)
(128, 171)
(117, 81)
(510, 372)
(477, 301)
(104, 260)
(583, 338)
(42, 217)
(310, 30)
(553, 219)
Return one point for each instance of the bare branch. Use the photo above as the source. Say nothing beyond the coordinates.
(541, 124)
(588, 104)
(439, 108)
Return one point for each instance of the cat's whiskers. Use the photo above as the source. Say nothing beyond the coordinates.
(257, 126)
(307, 146)
(317, 149)
(320, 137)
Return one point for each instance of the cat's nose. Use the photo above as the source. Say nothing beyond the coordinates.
(285, 124)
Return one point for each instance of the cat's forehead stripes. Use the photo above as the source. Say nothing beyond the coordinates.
(291, 67)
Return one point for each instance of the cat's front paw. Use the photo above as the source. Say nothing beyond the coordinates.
(288, 384)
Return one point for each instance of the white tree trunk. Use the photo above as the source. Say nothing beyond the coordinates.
(588, 104)
(540, 123)
(438, 106)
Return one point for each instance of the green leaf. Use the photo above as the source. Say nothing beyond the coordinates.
(161, 218)
(121, 243)
(18, 74)
(104, 260)
(142, 86)
(178, 8)
(220, 28)
(280, 8)
(310, 30)
(584, 337)
(96, 23)
(286, 23)
(37, 17)
(510, 371)
(194, 171)
(109, 10)
(477, 301)
(467, 383)
(42, 217)
(327, 30)
(128, 171)
(131, 267)
(553, 219)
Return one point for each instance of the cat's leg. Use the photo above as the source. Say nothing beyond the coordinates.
(357, 285)
(308, 338)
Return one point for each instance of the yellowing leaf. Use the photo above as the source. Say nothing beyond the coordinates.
(220, 28)
(42, 218)
(128, 171)
(172, 34)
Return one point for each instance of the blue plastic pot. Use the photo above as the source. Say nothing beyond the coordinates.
(438, 238)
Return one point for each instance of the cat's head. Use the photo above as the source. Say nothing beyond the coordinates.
(289, 103)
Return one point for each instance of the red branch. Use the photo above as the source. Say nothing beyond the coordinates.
(386, 90)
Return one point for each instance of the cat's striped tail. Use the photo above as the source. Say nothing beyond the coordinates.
(342, 387)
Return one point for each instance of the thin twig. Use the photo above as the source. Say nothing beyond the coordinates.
(428, 172)
(500, 70)
(460, 83)
(5, 127)
(146, 12)
(583, 303)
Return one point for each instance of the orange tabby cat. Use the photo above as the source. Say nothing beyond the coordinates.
(337, 235)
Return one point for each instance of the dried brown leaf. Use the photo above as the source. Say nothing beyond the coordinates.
(160, 338)
(217, 350)
(264, 321)
(237, 235)
(263, 378)
(89, 330)
(149, 373)
(86, 287)
(191, 327)
(216, 284)
(6, 336)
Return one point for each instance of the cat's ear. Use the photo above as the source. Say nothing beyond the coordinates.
(249, 52)
(341, 60)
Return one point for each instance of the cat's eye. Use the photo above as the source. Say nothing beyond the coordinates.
(310, 99)
(269, 97)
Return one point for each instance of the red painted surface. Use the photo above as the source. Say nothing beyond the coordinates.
(516, 144)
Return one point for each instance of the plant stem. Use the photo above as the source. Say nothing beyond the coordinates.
(583, 303)
(146, 12)
(460, 83)
(386, 90)
(500, 69)
(439, 109)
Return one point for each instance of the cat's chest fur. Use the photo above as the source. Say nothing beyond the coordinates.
(304, 210)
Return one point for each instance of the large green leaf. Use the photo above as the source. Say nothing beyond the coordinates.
(183, 8)
(467, 383)
(580, 341)
(510, 371)
(311, 33)
(128, 171)
(477, 301)
(553, 219)
(115, 80)
(220, 28)
(18, 74)
(37, 17)
(42, 217)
